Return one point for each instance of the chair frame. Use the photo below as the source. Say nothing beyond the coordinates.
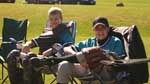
(72, 27)
(124, 40)
(4, 67)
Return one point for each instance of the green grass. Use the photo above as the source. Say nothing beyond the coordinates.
(135, 12)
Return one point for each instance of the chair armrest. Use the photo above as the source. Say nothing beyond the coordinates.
(2, 59)
(70, 24)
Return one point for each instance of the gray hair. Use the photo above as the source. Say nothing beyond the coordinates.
(54, 10)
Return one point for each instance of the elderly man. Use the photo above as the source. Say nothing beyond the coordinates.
(103, 40)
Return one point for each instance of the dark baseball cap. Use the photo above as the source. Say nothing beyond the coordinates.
(100, 21)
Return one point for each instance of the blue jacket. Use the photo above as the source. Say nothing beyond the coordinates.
(63, 34)
(112, 44)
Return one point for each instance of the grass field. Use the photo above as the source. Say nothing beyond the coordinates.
(135, 12)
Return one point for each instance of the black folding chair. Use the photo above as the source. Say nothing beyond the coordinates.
(72, 28)
(134, 48)
(11, 29)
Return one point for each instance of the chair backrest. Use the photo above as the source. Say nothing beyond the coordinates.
(46, 40)
(15, 29)
(134, 49)
(12, 29)
(71, 25)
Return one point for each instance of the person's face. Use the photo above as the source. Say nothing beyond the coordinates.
(101, 32)
(55, 20)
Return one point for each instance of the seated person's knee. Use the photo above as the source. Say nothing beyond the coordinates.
(64, 65)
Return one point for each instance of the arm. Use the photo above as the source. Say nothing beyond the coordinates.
(47, 52)
(30, 44)
(92, 56)
(79, 56)
(119, 49)
(69, 50)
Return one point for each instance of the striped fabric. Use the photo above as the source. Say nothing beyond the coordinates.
(45, 41)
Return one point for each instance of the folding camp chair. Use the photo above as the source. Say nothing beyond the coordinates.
(72, 27)
(11, 29)
(134, 48)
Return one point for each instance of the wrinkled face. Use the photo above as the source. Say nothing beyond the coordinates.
(55, 20)
(101, 32)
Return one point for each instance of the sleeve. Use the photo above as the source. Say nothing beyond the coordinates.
(36, 41)
(79, 46)
(45, 40)
(119, 49)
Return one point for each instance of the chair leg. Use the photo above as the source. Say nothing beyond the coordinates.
(4, 79)
(73, 81)
(53, 81)
(54, 74)
(2, 71)
(98, 77)
(3, 67)
(44, 78)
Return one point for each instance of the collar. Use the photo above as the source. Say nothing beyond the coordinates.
(103, 42)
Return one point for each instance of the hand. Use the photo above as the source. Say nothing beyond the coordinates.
(25, 49)
(27, 46)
